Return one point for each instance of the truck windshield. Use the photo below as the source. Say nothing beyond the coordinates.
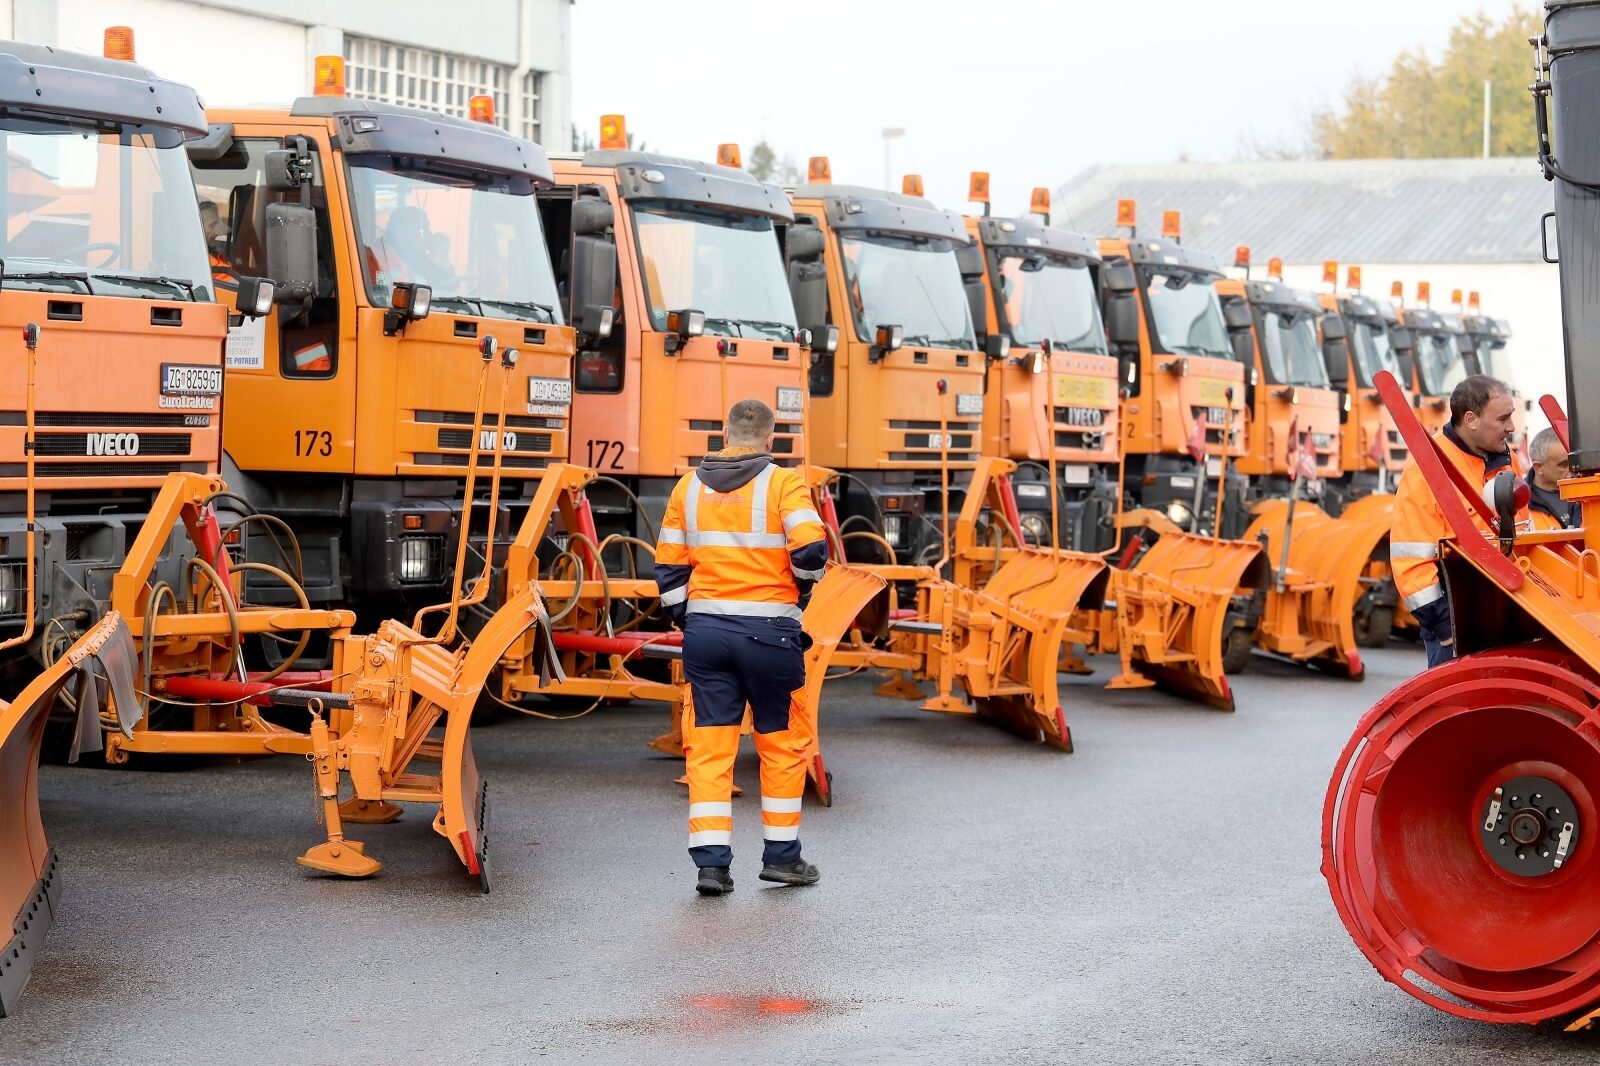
(475, 240)
(911, 282)
(1292, 353)
(1493, 356)
(1051, 298)
(101, 208)
(1439, 359)
(727, 265)
(1370, 342)
(1188, 314)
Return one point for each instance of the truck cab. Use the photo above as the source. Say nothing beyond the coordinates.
(115, 373)
(682, 256)
(1436, 361)
(1053, 387)
(1292, 404)
(400, 241)
(1186, 387)
(901, 399)
(1483, 345)
(1356, 332)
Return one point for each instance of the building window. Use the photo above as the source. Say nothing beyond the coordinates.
(420, 77)
(532, 84)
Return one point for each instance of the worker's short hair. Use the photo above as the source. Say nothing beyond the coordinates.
(1539, 446)
(1473, 395)
(750, 423)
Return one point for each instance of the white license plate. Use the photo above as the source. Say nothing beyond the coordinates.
(549, 390)
(789, 399)
(969, 403)
(1214, 467)
(1075, 475)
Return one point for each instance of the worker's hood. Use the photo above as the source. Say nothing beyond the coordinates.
(724, 473)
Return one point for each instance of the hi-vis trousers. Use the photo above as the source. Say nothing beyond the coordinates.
(729, 663)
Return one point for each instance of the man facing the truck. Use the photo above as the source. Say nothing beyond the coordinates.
(741, 547)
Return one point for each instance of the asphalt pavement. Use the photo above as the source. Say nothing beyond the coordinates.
(1153, 897)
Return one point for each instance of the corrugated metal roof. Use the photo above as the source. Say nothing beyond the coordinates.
(1372, 211)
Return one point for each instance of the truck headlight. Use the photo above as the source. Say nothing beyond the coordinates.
(8, 591)
(1180, 515)
(1036, 528)
(894, 527)
(1031, 490)
(419, 559)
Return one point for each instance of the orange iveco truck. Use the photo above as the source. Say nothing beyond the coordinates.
(898, 405)
(673, 270)
(1035, 286)
(1186, 388)
(1430, 349)
(115, 377)
(1292, 407)
(400, 242)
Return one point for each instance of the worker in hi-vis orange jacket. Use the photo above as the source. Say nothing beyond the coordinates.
(741, 547)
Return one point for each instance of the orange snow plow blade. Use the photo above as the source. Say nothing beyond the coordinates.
(1378, 509)
(1330, 582)
(1175, 613)
(28, 886)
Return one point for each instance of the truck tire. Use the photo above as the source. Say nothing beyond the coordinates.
(1236, 650)
(1374, 627)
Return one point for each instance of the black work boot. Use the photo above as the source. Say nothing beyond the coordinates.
(714, 881)
(798, 872)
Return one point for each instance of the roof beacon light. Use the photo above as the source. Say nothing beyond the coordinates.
(327, 76)
(613, 132)
(1352, 279)
(1424, 294)
(1275, 268)
(1172, 225)
(1330, 272)
(117, 43)
(481, 109)
(1039, 203)
(1397, 291)
(1127, 213)
(1241, 256)
(978, 187)
(1473, 304)
(728, 156)
(911, 185)
(1455, 298)
(819, 171)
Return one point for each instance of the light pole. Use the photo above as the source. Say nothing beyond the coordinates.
(889, 134)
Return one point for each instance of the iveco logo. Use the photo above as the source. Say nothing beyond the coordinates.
(111, 444)
(486, 441)
(1091, 417)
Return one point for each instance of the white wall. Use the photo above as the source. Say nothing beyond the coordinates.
(1528, 295)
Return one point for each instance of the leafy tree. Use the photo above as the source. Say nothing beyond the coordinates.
(763, 161)
(1424, 108)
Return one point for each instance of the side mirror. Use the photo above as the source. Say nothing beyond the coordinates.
(1119, 277)
(804, 243)
(592, 218)
(1336, 355)
(1122, 320)
(592, 279)
(1400, 338)
(255, 297)
(408, 302)
(997, 345)
(292, 251)
(1333, 327)
(284, 169)
(1244, 346)
(1236, 314)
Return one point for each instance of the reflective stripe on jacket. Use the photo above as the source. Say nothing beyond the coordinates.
(1419, 524)
(753, 551)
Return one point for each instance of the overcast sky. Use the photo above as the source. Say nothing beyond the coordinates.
(1031, 90)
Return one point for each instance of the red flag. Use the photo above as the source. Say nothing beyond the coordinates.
(1291, 458)
(1308, 460)
(1378, 452)
(1197, 439)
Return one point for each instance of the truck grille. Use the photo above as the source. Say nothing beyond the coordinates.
(516, 443)
(53, 444)
(45, 419)
(102, 469)
(508, 461)
(464, 418)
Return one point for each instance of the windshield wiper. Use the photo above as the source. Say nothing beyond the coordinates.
(1193, 349)
(184, 287)
(730, 326)
(467, 305)
(916, 338)
(538, 309)
(779, 327)
(80, 276)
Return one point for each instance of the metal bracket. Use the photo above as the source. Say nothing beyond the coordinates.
(1494, 811)
(1563, 842)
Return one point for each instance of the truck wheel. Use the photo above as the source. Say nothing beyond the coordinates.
(1374, 627)
(1236, 649)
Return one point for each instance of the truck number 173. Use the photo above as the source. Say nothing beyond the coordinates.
(313, 442)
